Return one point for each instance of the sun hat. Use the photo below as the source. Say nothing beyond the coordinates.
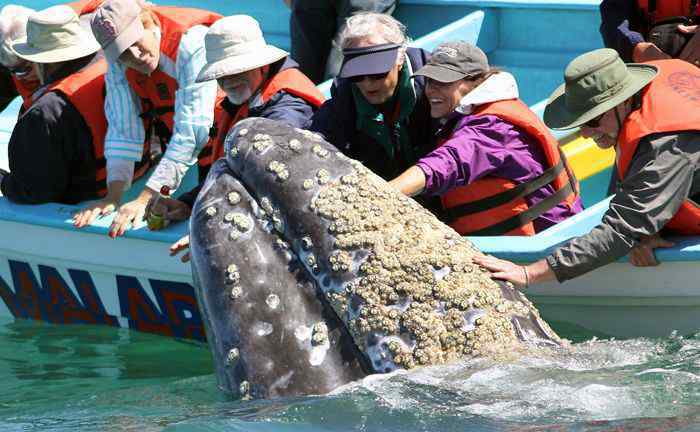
(235, 44)
(453, 61)
(116, 25)
(594, 83)
(371, 60)
(55, 35)
(13, 26)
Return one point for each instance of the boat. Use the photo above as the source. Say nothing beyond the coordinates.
(50, 271)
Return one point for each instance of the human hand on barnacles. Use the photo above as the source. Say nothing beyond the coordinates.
(520, 276)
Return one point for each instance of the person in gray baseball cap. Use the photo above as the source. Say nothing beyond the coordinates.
(496, 168)
(650, 114)
(154, 104)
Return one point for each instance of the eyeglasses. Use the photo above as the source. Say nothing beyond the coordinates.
(371, 77)
(21, 70)
(595, 122)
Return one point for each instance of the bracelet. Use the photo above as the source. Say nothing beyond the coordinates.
(527, 277)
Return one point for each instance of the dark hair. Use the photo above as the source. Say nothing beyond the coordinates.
(477, 80)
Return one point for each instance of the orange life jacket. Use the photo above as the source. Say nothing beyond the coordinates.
(658, 10)
(85, 90)
(497, 206)
(157, 91)
(289, 80)
(82, 7)
(670, 103)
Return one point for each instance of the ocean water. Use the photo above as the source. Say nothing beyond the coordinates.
(67, 378)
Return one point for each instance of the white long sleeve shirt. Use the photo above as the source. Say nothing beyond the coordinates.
(194, 115)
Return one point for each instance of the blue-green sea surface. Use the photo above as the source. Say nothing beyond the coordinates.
(66, 378)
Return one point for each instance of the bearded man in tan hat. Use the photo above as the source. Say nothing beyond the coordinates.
(259, 80)
(650, 113)
(56, 148)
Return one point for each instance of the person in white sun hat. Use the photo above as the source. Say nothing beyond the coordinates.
(56, 148)
(259, 80)
(18, 76)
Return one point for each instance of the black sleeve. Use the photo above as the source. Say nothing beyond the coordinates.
(290, 109)
(39, 153)
(619, 26)
(8, 91)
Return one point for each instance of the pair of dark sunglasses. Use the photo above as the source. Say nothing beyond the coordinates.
(371, 77)
(595, 122)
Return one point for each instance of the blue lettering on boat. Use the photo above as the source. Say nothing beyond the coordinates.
(50, 298)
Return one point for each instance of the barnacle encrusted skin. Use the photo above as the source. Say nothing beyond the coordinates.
(402, 282)
(417, 284)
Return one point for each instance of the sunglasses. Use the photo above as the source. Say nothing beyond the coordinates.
(371, 77)
(21, 70)
(595, 122)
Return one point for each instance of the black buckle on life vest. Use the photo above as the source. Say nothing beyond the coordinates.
(520, 191)
(214, 131)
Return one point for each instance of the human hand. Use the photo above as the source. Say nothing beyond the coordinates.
(100, 208)
(647, 51)
(127, 215)
(505, 270)
(171, 209)
(691, 51)
(179, 246)
(642, 255)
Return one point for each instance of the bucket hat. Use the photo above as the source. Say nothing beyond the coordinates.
(55, 35)
(453, 61)
(13, 25)
(594, 83)
(116, 25)
(235, 44)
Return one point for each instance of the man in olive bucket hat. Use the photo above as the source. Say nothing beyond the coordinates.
(650, 113)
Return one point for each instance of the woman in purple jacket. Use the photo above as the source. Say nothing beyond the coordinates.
(496, 168)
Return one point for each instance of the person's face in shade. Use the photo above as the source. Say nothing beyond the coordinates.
(143, 56)
(377, 89)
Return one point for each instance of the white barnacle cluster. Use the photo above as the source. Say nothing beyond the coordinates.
(307, 184)
(309, 135)
(232, 274)
(262, 142)
(323, 176)
(211, 211)
(319, 333)
(320, 151)
(340, 260)
(232, 357)
(233, 197)
(295, 145)
(273, 301)
(279, 169)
